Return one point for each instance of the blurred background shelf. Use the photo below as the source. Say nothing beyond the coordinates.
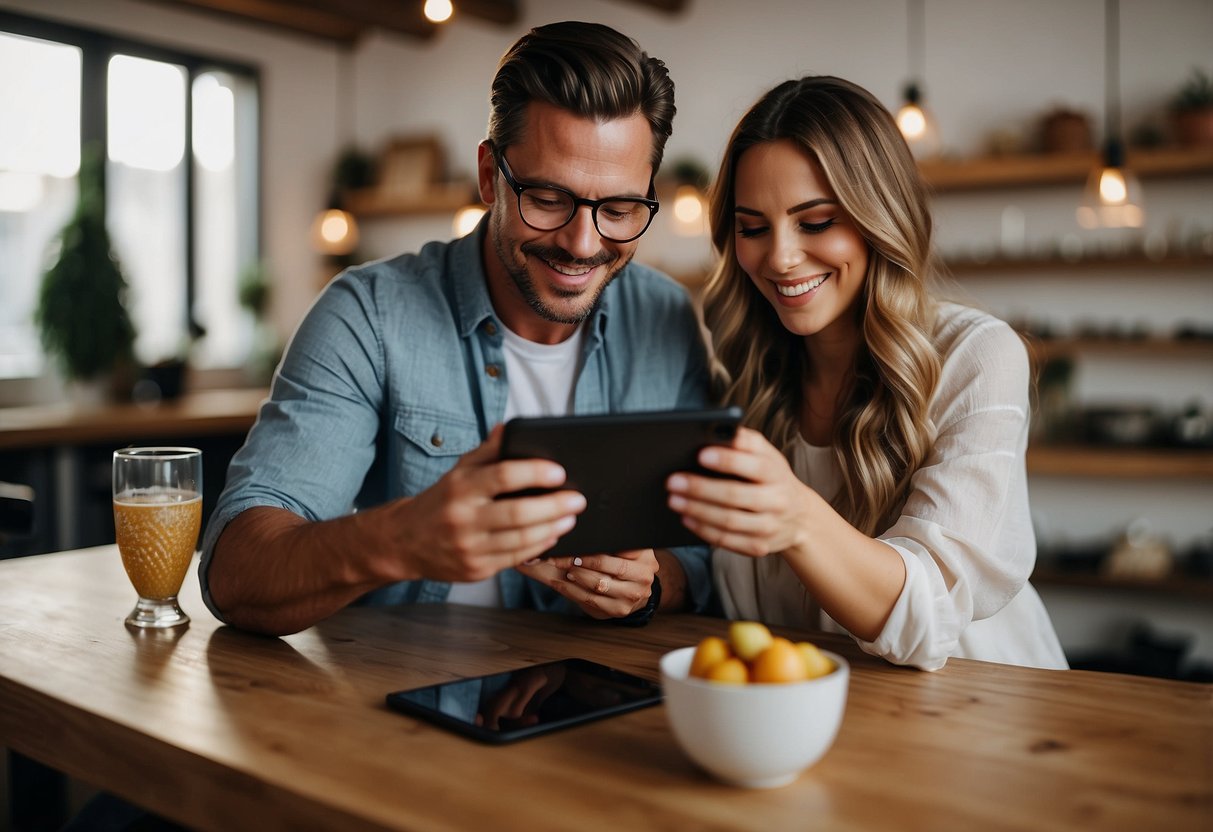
(372, 202)
(1176, 585)
(1088, 266)
(1056, 168)
(1079, 461)
(1048, 349)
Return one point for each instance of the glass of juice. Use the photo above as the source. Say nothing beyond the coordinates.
(157, 516)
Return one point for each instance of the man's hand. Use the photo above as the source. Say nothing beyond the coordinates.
(457, 531)
(604, 586)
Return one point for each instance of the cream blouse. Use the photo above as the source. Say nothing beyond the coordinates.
(965, 531)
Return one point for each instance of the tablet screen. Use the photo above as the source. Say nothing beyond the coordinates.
(529, 701)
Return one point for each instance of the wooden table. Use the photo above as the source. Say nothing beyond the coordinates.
(223, 730)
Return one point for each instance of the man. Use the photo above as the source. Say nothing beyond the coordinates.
(392, 392)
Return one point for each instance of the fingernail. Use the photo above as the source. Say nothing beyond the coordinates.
(568, 576)
(531, 562)
(574, 502)
(577, 561)
(677, 483)
(553, 475)
(709, 456)
(565, 523)
(677, 503)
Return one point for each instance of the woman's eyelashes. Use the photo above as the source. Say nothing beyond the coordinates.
(807, 227)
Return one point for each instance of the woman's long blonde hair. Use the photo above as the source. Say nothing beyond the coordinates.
(881, 431)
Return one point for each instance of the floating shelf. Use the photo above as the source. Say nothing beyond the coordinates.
(1093, 266)
(1177, 585)
(1079, 461)
(1051, 348)
(1056, 168)
(440, 199)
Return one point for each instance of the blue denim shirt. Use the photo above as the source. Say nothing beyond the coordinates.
(398, 369)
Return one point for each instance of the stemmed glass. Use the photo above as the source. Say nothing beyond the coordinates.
(157, 516)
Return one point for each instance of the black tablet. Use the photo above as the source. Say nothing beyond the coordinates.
(529, 701)
(620, 462)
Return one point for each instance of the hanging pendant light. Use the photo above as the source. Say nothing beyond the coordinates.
(1112, 197)
(916, 123)
(438, 11)
(335, 231)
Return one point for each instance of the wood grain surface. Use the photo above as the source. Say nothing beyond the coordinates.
(224, 730)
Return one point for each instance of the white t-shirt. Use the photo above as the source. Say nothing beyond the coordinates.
(965, 532)
(540, 379)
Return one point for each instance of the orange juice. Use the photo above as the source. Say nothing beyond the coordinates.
(156, 532)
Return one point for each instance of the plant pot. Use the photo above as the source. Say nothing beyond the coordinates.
(1194, 128)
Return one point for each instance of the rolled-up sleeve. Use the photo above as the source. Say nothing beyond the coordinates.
(314, 439)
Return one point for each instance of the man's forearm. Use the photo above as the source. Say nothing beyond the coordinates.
(274, 572)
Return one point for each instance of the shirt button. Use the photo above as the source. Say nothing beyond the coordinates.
(493, 370)
(490, 328)
(436, 440)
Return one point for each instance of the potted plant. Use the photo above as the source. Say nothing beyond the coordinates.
(81, 314)
(1192, 110)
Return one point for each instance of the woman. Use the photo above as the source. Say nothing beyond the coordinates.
(883, 486)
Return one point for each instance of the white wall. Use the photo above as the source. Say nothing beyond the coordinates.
(989, 66)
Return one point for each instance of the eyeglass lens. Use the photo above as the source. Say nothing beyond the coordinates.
(547, 209)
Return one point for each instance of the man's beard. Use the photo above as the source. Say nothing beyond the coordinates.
(526, 286)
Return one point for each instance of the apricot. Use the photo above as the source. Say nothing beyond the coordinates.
(815, 661)
(748, 639)
(710, 652)
(731, 671)
(783, 661)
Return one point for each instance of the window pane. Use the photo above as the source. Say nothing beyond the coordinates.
(146, 199)
(39, 160)
(225, 212)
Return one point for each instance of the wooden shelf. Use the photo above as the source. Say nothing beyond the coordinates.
(1056, 168)
(1051, 348)
(440, 199)
(1151, 463)
(1094, 266)
(1177, 585)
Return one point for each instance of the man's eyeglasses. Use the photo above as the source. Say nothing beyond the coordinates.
(619, 219)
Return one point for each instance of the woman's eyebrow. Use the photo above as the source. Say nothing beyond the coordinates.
(795, 209)
(812, 203)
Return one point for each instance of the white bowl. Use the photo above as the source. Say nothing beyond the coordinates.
(755, 735)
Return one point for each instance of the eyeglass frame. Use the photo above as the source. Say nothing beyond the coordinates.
(519, 187)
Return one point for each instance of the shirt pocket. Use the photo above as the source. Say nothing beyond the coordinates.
(428, 444)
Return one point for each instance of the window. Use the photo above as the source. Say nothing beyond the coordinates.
(181, 139)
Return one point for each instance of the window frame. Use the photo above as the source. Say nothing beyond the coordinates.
(97, 47)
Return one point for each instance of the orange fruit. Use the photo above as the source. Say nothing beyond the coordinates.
(781, 662)
(748, 639)
(816, 661)
(730, 671)
(710, 652)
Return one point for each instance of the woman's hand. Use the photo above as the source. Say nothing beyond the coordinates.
(766, 512)
(604, 586)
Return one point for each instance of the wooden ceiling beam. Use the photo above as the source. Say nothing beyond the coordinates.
(345, 21)
(670, 6)
(337, 20)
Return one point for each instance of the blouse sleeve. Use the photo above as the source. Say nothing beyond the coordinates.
(965, 532)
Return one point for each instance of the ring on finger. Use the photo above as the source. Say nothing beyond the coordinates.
(603, 585)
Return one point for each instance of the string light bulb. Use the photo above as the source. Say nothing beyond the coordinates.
(1112, 197)
(438, 11)
(335, 232)
(689, 214)
(466, 219)
(914, 120)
